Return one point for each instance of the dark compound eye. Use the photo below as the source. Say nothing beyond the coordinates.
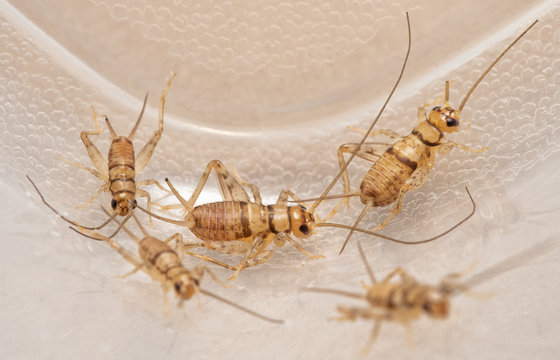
(177, 286)
(196, 282)
(451, 122)
(304, 229)
(114, 204)
(135, 203)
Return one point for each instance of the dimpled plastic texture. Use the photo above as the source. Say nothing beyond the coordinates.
(270, 87)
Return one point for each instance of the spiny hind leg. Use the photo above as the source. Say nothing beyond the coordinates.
(146, 153)
(229, 187)
(101, 166)
(416, 179)
(369, 152)
(342, 149)
(96, 158)
(447, 146)
(253, 187)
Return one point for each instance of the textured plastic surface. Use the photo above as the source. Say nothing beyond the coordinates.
(270, 88)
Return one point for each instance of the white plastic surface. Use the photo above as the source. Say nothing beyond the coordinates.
(270, 88)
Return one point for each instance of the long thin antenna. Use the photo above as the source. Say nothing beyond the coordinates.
(492, 65)
(102, 238)
(341, 226)
(333, 291)
(329, 197)
(239, 307)
(123, 226)
(353, 228)
(371, 126)
(64, 217)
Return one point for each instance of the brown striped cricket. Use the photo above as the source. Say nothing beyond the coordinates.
(405, 164)
(118, 172)
(238, 225)
(400, 298)
(165, 265)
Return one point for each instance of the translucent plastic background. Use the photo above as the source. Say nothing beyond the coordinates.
(270, 87)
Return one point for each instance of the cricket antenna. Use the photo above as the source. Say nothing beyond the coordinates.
(343, 168)
(492, 65)
(239, 307)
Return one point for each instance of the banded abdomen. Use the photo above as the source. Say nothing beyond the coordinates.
(238, 220)
(169, 267)
(122, 175)
(411, 296)
(388, 174)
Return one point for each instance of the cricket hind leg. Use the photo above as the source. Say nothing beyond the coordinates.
(97, 159)
(100, 175)
(147, 151)
(369, 152)
(253, 253)
(243, 183)
(230, 188)
(416, 180)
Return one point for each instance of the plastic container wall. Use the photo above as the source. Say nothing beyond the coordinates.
(270, 88)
